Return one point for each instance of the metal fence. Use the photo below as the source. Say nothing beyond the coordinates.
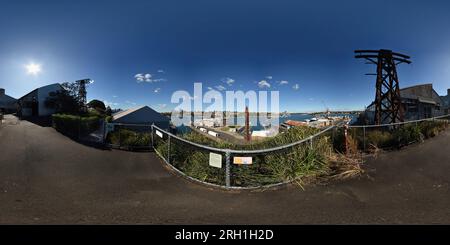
(369, 138)
(238, 168)
(257, 165)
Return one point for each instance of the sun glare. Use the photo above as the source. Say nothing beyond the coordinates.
(33, 69)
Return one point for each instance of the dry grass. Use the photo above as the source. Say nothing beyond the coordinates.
(344, 167)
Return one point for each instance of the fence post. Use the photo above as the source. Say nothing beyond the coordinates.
(311, 142)
(153, 144)
(364, 138)
(104, 132)
(227, 169)
(120, 136)
(345, 138)
(168, 148)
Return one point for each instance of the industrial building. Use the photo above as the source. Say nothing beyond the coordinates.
(7, 103)
(33, 103)
(446, 102)
(418, 102)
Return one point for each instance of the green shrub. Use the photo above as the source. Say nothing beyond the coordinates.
(407, 134)
(430, 129)
(380, 139)
(125, 137)
(108, 119)
(295, 162)
(73, 125)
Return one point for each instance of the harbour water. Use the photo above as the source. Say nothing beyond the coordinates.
(256, 124)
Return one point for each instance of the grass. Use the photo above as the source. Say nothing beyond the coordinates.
(301, 163)
(129, 138)
(296, 163)
(396, 137)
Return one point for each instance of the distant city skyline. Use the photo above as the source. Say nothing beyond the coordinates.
(140, 52)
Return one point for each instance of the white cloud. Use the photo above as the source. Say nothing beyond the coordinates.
(269, 77)
(130, 102)
(295, 87)
(209, 88)
(160, 71)
(282, 82)
(115, 96)
(157, 90)
(147, 77)
(263, 84)
(110, 104)
(139, 77)
(159, 80)
(162, 106)
(228, 81)
(220, 88)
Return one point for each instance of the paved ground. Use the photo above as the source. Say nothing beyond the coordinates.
(45, 178)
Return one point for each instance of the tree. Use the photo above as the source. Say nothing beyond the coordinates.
(63, 102)
(97, 105)
(108, 111)
(71, 99)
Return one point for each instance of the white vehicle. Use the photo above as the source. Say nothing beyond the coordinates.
(203, 130)
(212, 133)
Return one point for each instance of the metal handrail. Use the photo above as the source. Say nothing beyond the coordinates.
(245, 151)
(399, 123)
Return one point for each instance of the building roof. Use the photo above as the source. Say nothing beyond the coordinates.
(50, 85)
(295, 123)
(424, 93)
(6, 97)
(125, 112)
(143, 114)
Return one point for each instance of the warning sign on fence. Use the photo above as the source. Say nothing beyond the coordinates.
(242, 160)
(159, 133)
(215, 160)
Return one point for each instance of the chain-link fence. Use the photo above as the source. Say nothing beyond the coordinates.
(370, 138)
(284, 160)
(235, 168)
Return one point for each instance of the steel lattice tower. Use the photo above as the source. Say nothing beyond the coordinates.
(388, 106)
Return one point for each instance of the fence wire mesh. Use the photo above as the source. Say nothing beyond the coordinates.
(282, 160)
(370, 138)
(245, 165)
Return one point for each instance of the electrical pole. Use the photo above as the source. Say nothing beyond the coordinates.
(388, 106)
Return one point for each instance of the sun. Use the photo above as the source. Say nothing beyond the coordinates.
(33, 68)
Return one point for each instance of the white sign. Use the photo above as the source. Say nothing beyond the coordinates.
(215, 160)
(159, 134)
(242, 160)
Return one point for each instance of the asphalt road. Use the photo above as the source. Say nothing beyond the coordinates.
(45, 178)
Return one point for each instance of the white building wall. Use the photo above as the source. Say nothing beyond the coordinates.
(43, 94)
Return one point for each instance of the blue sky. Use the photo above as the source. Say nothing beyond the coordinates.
(308, 43)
